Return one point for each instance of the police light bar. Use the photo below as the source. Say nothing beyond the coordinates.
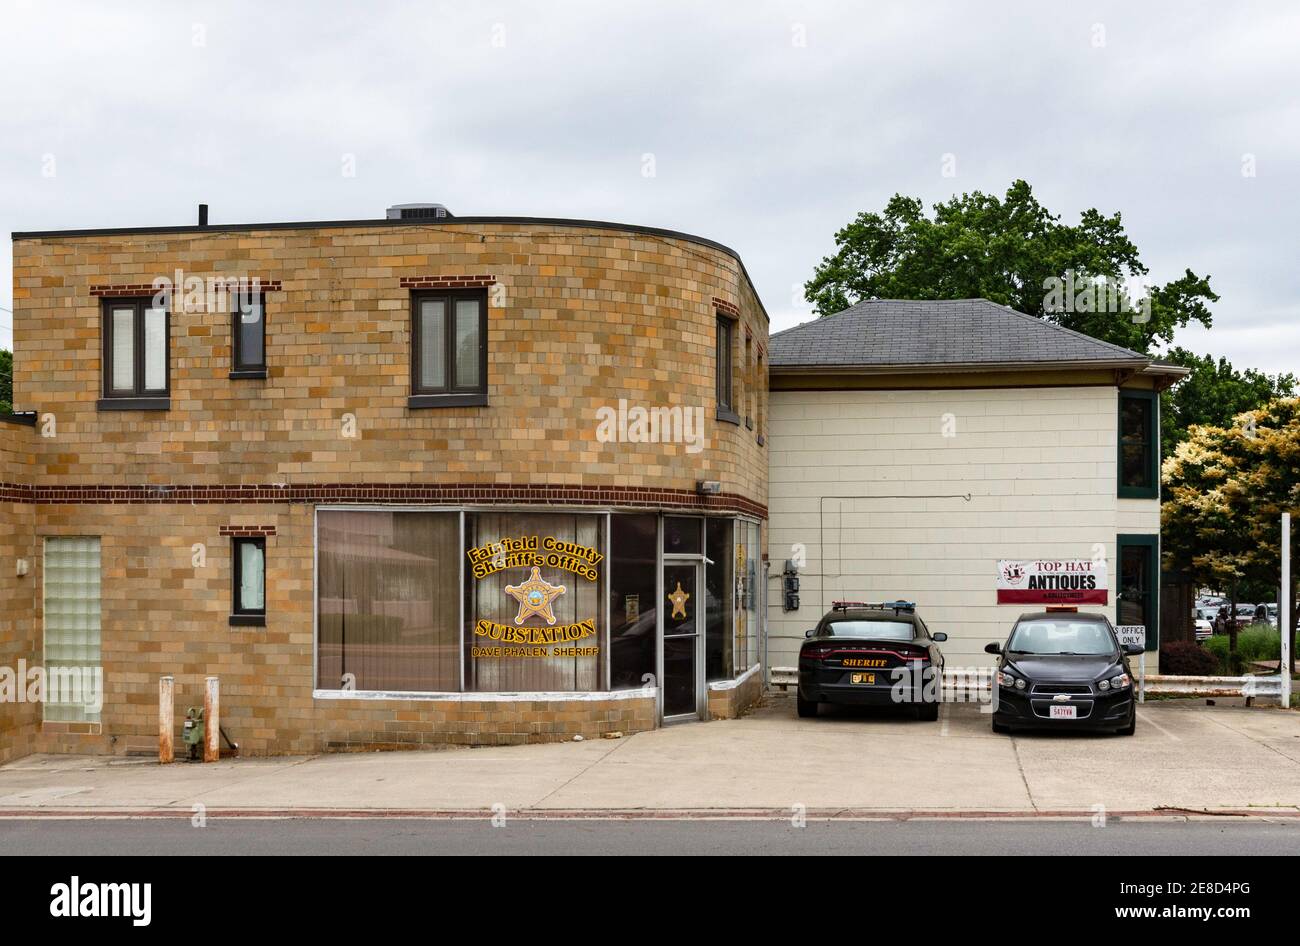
(895, 606)
(1067, 608)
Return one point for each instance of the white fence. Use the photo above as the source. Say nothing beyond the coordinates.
(972, 680)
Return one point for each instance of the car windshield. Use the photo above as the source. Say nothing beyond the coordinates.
(1061, 636)
(878, 630)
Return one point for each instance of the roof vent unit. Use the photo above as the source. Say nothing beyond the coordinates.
(418, 212)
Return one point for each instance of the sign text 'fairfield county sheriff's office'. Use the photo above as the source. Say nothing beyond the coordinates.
(531, 551)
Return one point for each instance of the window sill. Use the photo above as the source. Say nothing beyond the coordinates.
(729, 417)
(134, 404)
(1139, 492)
(248, 374)
(762, 441)
(749, 423)
(248, 620)
(421, 401)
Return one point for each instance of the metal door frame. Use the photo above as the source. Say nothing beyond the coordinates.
(701, 690)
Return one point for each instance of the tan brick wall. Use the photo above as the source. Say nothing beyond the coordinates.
(587, 316)
(734, 701)
(19, 635)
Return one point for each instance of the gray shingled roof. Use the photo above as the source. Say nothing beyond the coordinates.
(882, 333)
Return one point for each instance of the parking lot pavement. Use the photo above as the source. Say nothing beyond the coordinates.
(1185, 755)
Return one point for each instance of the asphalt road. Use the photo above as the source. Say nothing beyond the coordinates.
(643, 837)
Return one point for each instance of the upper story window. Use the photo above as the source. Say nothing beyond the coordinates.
(726, 341)
(449, 348)
(136, 355)
(248, 335)
(1139, 445)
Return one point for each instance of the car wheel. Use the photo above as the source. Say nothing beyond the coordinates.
(807, 708)
(927, 712)
(1000, 728)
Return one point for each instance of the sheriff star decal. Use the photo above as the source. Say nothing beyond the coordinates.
(679, 599)
(535, 596)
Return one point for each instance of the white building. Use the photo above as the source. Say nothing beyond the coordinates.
(917, 444)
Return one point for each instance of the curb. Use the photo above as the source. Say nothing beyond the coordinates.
(687, 814)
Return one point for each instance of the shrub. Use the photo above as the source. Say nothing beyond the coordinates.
(1259, 642)
(1186, 659)
(1217, 646)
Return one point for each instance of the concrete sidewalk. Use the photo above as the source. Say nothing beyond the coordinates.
(1184, 756)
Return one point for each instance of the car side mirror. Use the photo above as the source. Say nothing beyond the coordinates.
(992, 648)
(1134, 650)
(939, 637)
(810, 633)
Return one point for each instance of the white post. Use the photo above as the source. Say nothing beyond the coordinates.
(166, 723)
(212, 721)
(1142, 677)
(1284, 626)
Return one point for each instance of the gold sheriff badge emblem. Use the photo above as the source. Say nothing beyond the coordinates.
(535, 596)
(679, 599)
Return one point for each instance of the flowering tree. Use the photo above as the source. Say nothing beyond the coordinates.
(1225, 489)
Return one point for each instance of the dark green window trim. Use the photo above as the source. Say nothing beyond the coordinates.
(1151, 604)
(1150, 489)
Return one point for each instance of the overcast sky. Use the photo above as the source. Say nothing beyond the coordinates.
(770, 124)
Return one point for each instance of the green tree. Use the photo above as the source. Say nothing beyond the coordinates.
(6, 382)
(1213, 394)
(1012, 251)
(1225, 489)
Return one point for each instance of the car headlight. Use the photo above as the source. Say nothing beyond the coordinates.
(1103, 685)
(1119, 682)
(1010, 680)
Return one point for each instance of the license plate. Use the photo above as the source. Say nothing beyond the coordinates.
(1064, 712)
(867, 678)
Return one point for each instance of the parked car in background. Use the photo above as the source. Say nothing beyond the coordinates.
(1266, 614)
(1204, 629)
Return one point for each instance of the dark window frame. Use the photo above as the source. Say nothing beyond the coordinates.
(1150, 489)
(239, 615)
(139, 397)
(239, 368)
(724, 353)
(1151, 594)
(449, 395)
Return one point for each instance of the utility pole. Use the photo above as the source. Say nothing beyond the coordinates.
(1284, 626)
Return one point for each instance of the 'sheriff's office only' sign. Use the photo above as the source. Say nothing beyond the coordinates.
(1069, 581)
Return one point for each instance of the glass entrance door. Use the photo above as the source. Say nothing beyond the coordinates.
(682, 677)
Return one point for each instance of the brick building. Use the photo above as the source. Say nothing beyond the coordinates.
(420, 479)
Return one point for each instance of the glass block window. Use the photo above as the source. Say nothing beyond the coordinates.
(73, 670)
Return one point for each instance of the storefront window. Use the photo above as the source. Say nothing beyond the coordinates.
(535, 602)
(718, 572)
(632, 600)
(749, 589)
(682, 536)
(388, 604)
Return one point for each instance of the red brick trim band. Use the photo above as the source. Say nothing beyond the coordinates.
(432, 494)
(148, 289)
(14, 493)
(728, 307)
(446, 282)
(246, 531)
